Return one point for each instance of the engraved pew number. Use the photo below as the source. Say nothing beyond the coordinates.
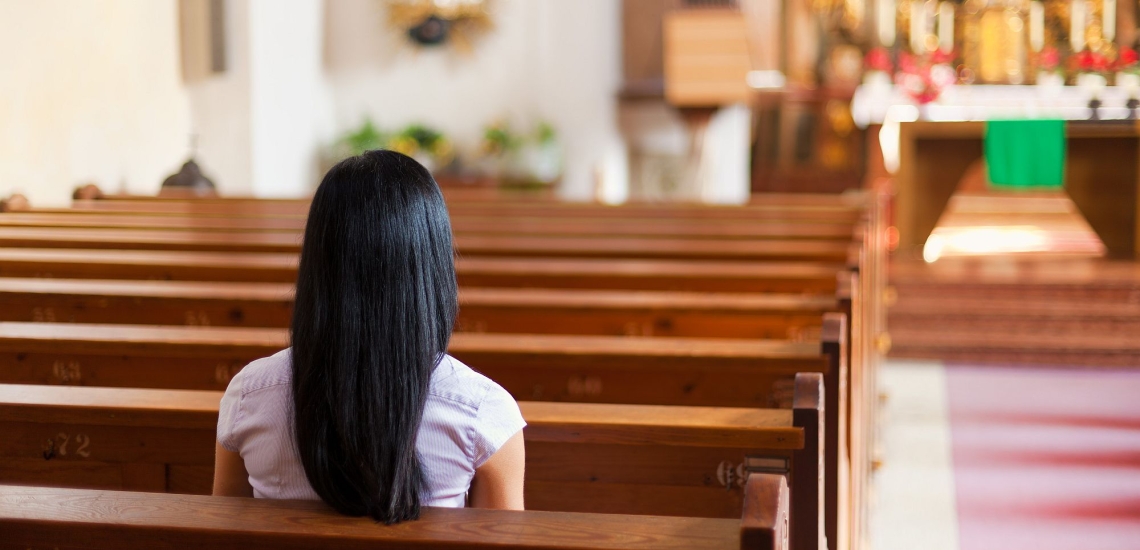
(63, 443)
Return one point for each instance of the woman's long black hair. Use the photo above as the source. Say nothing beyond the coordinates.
(375, 306)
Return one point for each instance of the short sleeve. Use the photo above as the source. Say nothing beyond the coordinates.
(229, 412)
(497, 420)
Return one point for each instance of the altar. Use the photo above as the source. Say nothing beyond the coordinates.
(1101, 176)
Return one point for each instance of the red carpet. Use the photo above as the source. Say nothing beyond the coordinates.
(1046, 458)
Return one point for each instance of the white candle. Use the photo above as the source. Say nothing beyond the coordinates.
(887, 21)
(1036, 26)
(946, 27)
(1077, 25)
(1108, 20)
(917, 26)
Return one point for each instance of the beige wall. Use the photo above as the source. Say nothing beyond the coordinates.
(92, 90)
(89, 90)
(554, 59)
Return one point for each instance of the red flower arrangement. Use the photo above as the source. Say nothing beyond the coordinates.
(1048, 59)
(1128, 60)
(924, 78)
(879, 59)
(1089, 61)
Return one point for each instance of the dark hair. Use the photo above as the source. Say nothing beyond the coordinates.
(375, 306)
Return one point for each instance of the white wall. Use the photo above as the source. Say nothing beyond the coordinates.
(553, 59)
(92, 90)
(89, 90)
(220, 108)
(288, 98)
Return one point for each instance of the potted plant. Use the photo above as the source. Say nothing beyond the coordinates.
(428, 146)
(539, 160)
(499, 143)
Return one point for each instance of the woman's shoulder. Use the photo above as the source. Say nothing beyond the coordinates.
(485, 413)
(267, 372)
(459, 384)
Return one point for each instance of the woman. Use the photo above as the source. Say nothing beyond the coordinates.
(366, 411)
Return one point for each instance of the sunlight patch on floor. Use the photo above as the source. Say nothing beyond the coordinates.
(983, 224)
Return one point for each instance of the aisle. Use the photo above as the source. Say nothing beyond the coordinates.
(1046, 458)
(990, 457)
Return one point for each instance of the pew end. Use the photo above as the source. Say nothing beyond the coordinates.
(15, 203)
(765, 522)
(807, 465)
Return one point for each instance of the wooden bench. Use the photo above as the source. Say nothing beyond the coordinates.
(465, 244)
(857, 353)
(549, 367)
(820, 204)
(37, 517)
(682, 461)
(762, 228)
(799, 277)
(558, 311)
(715, 372)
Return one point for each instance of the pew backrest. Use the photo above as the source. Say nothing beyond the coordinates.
(37, 517)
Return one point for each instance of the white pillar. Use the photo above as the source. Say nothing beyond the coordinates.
(288, 97)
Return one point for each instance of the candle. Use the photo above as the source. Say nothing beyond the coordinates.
(946, 27)
(917, 26)
(1108, 20)
(1077, 27)
(887, 14)
(1036, 26)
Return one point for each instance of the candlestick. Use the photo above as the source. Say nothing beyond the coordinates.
(917, 26)
(1077, 25)
(946, 27)
(1036, 26)
(887, 21)
(1108, 20)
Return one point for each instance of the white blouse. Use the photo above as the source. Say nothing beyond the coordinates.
(466, 419)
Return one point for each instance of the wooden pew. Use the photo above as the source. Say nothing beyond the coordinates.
(783, 227)
(37, 517)
(689, 371)
(709, 372)
(465, 244)
(853, 349)
(686, 461)
(761, 206)
(800, 277)
(533, 311)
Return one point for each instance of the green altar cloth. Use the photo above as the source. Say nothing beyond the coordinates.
(1025, 153)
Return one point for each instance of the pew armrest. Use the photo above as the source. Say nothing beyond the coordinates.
(765, 523)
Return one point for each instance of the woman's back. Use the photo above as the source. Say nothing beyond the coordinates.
(373, 395)
(466, 419)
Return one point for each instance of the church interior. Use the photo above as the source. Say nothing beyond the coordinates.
(761, 274)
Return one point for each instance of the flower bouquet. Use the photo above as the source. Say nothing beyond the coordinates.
(879, 68)
(1049, 72)
(923, 78)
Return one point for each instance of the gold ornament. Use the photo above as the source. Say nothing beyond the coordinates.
(430, 23)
